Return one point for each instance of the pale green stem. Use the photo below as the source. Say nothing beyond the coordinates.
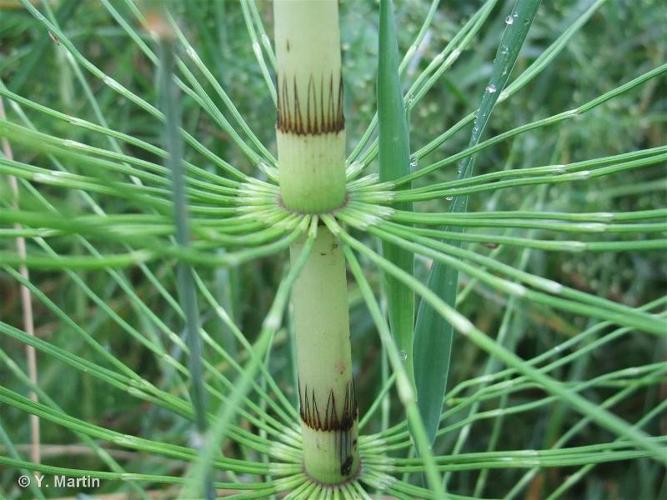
(311, 169)
(311, 129)
(327, 394)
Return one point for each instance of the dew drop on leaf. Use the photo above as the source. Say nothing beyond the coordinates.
(491, 88)
(509, 20)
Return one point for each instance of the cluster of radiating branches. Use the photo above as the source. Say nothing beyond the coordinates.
(240, 212)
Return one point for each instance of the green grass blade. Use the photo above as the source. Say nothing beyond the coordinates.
(394, 162)
(185, 278)
(65, 12)
(433, 334)
(9, 448)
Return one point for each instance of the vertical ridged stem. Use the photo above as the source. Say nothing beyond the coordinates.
(311, 160)
(26, 306)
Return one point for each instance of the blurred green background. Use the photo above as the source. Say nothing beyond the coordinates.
(622, 40)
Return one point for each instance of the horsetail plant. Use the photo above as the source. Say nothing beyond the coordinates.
(261, 313)
(310, 135)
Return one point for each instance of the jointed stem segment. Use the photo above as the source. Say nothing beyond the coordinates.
(311, 159)
(311, 128)
(329, 410)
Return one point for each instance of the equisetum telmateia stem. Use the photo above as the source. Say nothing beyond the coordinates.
(311, 158)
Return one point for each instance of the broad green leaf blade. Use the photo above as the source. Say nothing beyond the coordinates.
(433, 335)
(394, 155)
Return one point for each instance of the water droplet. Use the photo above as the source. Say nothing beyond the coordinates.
(504, 50)
(509, 20)
(192, 54)
(552, 286)
(413, 163)
(74, 144)
(516, 289)
(60, 173)
(76, 121)
(112, 83)
(491, 88)
(404, 356)
(196, 440)
(449, 198)
(124, 439)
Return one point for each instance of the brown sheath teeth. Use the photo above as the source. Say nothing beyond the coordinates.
(323, 112)
(341, 425)
(330, 420)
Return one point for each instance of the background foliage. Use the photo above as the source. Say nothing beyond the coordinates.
(622, 40)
